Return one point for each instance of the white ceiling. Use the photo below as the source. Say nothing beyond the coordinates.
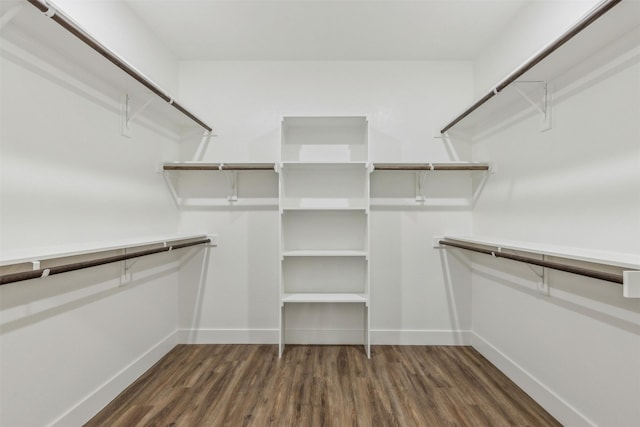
(326, 30)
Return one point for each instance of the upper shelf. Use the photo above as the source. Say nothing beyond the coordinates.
(199, 166)
(60, 47)
(339, 139)
(455, 166)
(606, 32)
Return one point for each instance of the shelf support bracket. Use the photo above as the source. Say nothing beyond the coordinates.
(232, 180)
(126, 275)
(631, 284)
(202, 146)
(543, 105)
(421, 179)
(10, 14)
(128, 116)
(169, 180)
(543, 284)
(479, 186)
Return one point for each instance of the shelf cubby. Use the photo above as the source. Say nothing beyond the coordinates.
(330, 274)
(324, 138)
(309, 230)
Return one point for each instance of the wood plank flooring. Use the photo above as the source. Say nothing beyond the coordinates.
(247, 385)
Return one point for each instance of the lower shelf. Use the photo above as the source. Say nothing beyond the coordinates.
(326, 298)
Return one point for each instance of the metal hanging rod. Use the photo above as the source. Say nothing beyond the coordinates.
(74, 29)
(432, 166)
(587, 20)
(218, 166)
(44, 272)
(609, 277)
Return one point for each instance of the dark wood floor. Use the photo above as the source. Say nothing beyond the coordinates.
(247, 385)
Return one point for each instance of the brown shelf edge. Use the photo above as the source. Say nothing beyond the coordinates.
(432, 166)
(218, 166)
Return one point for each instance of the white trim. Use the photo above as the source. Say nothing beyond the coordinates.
(88, 407)
(228, 336)
(325, 336)
(554, 404)
(419, 337)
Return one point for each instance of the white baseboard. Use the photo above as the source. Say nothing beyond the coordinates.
(565, 413)
(84, 410)
(419, 337)
(228, 336)
(323, 336)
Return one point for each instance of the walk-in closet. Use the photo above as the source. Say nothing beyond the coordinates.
(319, 213)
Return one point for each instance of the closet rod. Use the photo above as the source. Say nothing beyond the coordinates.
(74, 29)
(431, 166)
(219, 166)
(609, 277)
(587, 20)
(17, 277)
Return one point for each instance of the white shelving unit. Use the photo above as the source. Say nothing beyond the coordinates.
(324, 215)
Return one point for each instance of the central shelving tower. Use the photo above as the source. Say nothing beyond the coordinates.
(324, 215)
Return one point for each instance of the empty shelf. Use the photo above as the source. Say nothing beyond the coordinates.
(324, 253)
(324, 298)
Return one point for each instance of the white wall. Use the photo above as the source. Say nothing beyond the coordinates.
(404, 102)
(124, 33)
(71, 342)
(535, 26)
(575, 350)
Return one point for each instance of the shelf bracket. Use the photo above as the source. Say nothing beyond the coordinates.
(541, 105)
(543, 284)
(10, 14)
(479, 186)
(232, 180)
(203, 144)
(421, 178)
(169, 180)
(126, 275)
(631, 284)
(128, 115)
